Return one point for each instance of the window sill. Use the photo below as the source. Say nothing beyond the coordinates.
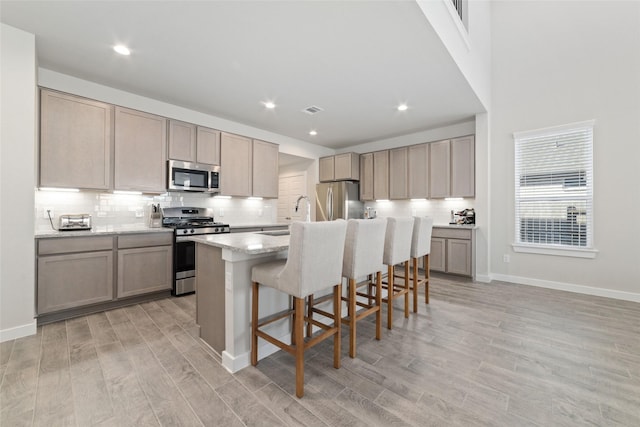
(555, 250)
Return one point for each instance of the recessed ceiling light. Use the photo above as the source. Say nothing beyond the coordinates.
(313, 132)
(402, 107)
(122, 50)
(270, 105)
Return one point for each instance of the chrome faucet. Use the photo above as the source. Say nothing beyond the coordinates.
(308, 206)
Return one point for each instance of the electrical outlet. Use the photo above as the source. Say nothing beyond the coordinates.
(139, 213)
(259, 212)
(46, 215)
(506, 258)
(221, 212)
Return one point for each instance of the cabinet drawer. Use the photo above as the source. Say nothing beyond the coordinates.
(145, 240)
(63, 245)
(451, 233)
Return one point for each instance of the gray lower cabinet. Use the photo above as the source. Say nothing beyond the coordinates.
(452, 250)
(74, 272)
(144, 270)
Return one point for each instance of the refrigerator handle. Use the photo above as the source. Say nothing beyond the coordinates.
(330, 204)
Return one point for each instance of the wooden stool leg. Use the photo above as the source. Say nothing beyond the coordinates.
(415, 285)
(390, 281)
(351, 312)
(369, 286)
(298, 327)
(379, 304)
(310, 316)
(337, 314)
(254, 323)
(427, 274)
(406, 287)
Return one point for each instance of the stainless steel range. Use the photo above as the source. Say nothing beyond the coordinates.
(188, 222)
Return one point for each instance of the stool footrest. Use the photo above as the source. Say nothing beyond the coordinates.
(275, 317)
(286, 347)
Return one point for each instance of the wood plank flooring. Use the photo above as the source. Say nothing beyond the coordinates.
(478, 355)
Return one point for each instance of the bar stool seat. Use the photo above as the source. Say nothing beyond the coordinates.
(420, 247)
(314, 263)
(397, 250)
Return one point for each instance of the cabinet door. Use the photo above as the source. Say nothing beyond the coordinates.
(419, 171)
(366, 177)
(381, 175)
(327, 171)
(440, 169)
(265, 169)
(463, 161)
(144, 270)
(208, 147)
(68, 281)
(235, 165)
(182, 141)
(438, 254)
(347, 166)
(459, 256)
(140, 151)
(398, 173)
(75, 142)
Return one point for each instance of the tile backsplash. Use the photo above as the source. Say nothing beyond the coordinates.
(440, 210)
(129, 209)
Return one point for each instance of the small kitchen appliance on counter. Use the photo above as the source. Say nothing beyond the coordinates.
(73, 222)
(463, 217)
(187, 222)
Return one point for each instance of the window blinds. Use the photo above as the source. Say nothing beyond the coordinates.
(554, 186)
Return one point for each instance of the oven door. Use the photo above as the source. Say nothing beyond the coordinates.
(184, 266)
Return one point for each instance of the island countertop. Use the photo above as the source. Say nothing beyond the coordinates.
(247, 243)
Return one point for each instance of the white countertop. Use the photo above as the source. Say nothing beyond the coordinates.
(262, 225)
(467, 226)
(101, 230)
(248, 243)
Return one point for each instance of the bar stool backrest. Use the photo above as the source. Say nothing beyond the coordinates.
(315, 257)
(421, 241)
(397, 244)
(364, 247)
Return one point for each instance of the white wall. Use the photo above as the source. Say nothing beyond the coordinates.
(556, 63)
(471, 50)
(17, 172)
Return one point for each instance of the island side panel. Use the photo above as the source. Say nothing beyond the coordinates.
(210, 296)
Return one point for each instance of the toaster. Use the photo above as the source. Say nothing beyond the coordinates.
(75, 222)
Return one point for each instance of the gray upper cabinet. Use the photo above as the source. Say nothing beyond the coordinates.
(440, 169)
(463, 167)
(140, 151)
(236, 164)
(326, 169)
(366, 177)
(182, 141)
(398, 173)
(419, 171)
(381, 175)
(75, 142)
(265, 169)
(341, 167)
(208, 146)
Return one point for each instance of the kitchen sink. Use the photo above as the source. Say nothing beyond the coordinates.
(275, 233)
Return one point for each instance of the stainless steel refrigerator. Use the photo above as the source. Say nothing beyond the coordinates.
(338, 200)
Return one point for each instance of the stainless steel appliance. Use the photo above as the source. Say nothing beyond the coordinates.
(186, 176)
(74, 222)
(338, 200)
(188, 222)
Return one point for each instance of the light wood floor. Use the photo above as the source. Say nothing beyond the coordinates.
(480, 354)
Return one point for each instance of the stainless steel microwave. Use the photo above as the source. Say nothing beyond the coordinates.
(187, 176)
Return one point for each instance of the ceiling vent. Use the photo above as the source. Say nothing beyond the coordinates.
(312, 110)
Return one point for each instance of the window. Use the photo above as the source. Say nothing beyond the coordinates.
(554, 190)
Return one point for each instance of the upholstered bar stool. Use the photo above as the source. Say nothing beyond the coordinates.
(314, 263)
(420, 247)
(397, 250)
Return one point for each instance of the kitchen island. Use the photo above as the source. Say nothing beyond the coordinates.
(223, 293)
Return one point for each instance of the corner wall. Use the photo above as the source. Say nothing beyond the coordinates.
(562, 62)
(17, 181)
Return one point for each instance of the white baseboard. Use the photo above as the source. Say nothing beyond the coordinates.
(235, 363)
(569, 287)
(18, 331)
(484, 278)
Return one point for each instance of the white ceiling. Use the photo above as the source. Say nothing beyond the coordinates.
(355, 59)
